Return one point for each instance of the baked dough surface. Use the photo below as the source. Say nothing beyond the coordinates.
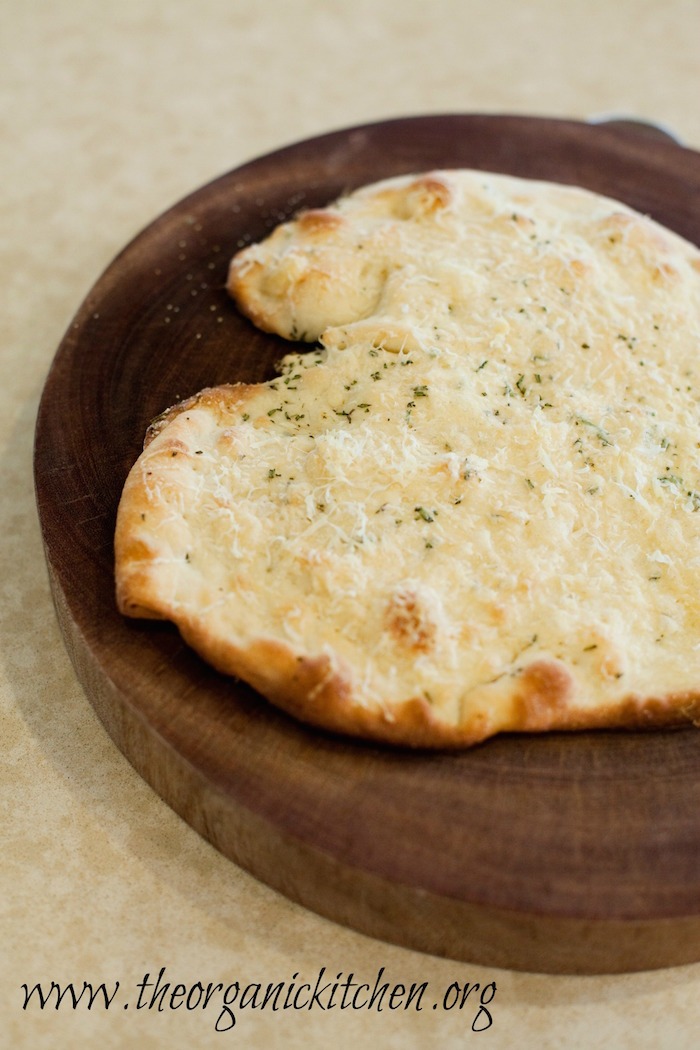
(474, 507)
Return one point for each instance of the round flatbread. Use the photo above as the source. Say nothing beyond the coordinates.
(474, 508)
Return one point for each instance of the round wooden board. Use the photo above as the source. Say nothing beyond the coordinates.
(558, 853)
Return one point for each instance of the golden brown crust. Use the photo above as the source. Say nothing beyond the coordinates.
(221, 397)
(542, 697)
(324, 269)
(409, 622)
(317, 691)
(319, 221)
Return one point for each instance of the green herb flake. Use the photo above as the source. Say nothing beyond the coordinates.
(600, 433)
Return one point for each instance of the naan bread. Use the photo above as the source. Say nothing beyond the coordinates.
(474, 508)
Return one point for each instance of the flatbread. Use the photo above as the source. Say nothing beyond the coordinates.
(472, 509)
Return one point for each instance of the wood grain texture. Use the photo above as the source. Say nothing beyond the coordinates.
(556, 853)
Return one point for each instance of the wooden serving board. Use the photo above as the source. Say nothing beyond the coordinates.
(558, 853)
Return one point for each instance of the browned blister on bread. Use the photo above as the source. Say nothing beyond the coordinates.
(475, 508)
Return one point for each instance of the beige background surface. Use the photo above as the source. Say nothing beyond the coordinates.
(111, 111)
